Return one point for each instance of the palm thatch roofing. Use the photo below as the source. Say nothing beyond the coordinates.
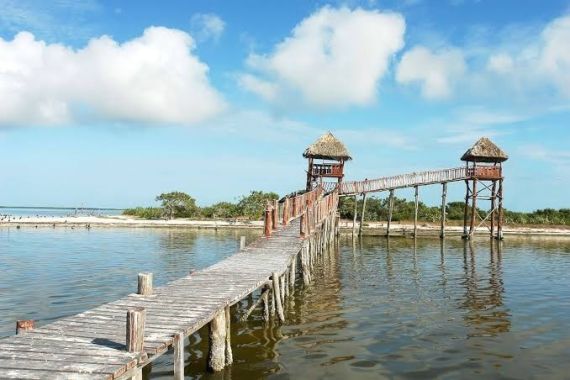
(484, 150)
(327, 147)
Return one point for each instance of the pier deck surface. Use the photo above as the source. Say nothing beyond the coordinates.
(91, 345)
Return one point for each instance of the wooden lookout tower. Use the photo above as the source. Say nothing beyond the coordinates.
(484, 182)
(326, 158)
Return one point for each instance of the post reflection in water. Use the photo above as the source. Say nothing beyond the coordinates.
(405, 308)
(484, 294)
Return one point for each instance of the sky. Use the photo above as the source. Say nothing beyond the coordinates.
(110, 103)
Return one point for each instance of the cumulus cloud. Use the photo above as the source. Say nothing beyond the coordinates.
(334, 57)
(208, 26)
(500, 63)
(153, 78)
(555, 55)
(436, 72)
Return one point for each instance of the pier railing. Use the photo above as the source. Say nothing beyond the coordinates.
(291, 208)
(404, 180)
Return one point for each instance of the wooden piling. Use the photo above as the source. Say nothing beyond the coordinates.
(493, 206)
(229, 353)
(390, 211)
(144, 284)
(178, 356)
(355, 215)
(275, 214)
(362, 215)
(466, 210)
(416, 205)
(241, 243)
(135, 329)
(217, 340)
(500, 214)
(267, 221)
(277, 293)
(443, 209)
(24, 325)
(473, 208)
(265, 300)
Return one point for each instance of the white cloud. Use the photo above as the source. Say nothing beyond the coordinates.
(208, 26)
(153, 78)
(555, 55)
(500, 63)
(436, 72)
(260, 87)
(334, 57)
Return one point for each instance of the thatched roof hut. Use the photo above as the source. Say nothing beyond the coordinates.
(484, 150)
(327, 147)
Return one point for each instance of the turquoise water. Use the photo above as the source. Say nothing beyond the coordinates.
(377, 309)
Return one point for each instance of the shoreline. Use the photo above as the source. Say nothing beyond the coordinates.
(370, 228)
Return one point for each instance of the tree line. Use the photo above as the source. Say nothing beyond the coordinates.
(252, 206)
(177, 204)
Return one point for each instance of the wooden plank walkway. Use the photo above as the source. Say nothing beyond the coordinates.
(404, 180)
(91, 345)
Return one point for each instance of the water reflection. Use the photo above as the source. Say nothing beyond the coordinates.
(483, 298)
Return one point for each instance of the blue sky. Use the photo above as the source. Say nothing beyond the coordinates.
(109, 103)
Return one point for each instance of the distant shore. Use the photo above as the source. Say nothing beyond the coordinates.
(370, 228)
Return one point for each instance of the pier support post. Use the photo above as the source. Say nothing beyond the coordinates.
(265, 300)
(229, 353)
(145, 284)
(362, 215)
(390, 211)
(275, 214)
(24, 325)
(416, 204)
(443, 207)
(277, 293)
(473, 208)
(135, 329)
(500, 215)
(217, 340)
(466, 210)
(241, 243)
(355, 215)
(179, 356)
(267, 220)
(493, 216)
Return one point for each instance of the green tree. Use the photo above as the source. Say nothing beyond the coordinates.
(252, 206)
(221, 210)
(177, 204)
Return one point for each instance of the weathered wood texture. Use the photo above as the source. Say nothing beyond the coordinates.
(404, 180)
(95, 344)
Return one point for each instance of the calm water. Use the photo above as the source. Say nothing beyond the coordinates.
(378, 309)
(52, 212)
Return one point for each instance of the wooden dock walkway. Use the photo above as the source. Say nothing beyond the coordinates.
(94, 344)
(404, 180)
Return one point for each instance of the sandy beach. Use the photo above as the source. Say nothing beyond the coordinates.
(370, 228)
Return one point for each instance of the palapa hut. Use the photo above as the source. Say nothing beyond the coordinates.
(332, 154)
(485, 181)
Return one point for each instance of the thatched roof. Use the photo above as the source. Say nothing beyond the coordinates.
(484, 150)
(327, 147)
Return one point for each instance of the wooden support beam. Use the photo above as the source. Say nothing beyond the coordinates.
(362, 215)
(500, 215)
(24, 325)
(493, 206)
(265, 299)
(267, 221)
(277, 295)
(443, 209)
(229, 353)
(260, 300)
(217, 340)
(466, 210)
(135, 329)
(178, 356)
(275, 214)
(241, 243)
(416, 204)
(355, 215)
(144, 284)
(473, 208)
(390, 211)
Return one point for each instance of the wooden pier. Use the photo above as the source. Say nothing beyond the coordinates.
(116, 340)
